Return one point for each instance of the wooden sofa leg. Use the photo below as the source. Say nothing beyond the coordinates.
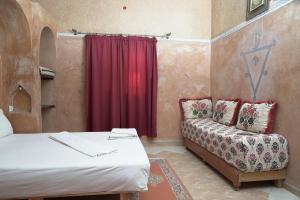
(236, 185)
(124, 196)
(278, 183)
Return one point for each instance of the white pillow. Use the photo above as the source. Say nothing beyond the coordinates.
(5, 126)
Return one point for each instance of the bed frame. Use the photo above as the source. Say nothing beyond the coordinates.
(233, 174)
(123, 196)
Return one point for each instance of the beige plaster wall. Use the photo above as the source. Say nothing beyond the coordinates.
(21, 23)
(183, 71)
(187, 18)
(227, 14)
(281, 81)
(70, 77)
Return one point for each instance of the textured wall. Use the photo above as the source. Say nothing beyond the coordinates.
(188, 18)
(16, 62)
(227, 14)
(278, 34)
(21, 23)
(69, 94)
(183, 70)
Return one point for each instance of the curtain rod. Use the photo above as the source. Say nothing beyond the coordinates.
(75, 32)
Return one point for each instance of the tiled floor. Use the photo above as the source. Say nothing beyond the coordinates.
(204, 183)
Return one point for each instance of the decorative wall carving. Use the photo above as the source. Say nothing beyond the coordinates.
(255, 62)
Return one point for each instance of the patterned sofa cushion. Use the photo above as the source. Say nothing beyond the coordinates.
(226, 111)
(247, 151)
(257, 117)
(196, 108)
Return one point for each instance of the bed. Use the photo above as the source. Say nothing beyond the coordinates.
(32, 165)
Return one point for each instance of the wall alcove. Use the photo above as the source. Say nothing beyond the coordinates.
(20, 100)
(14, 28)
(47, 48)
(16, 66)
(15, 43)
(47, 58)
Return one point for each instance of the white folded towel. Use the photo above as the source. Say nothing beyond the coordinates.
(122, 133)
(44, 69)
(82, 145)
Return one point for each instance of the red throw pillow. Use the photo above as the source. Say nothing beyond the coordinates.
(196, 108)
(226, 111)
(257, 117)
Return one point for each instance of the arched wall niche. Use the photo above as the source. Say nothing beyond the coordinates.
(26, 41)
(15, 46)
(15, 35)
(47, 48)
(47, 58)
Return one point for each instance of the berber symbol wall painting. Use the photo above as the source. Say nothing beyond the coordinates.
(255, 62)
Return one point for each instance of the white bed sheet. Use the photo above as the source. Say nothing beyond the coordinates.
(32, 165)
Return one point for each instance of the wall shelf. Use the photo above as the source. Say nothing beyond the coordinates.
(48, 106)
(47, 77)
(47, 73)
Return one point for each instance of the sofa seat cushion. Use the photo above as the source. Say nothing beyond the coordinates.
(244, 150)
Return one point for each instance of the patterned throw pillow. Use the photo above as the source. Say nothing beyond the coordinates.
(225, 111)
(196, 108)
(257, 117)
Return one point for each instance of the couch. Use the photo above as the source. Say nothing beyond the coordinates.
(240, 155)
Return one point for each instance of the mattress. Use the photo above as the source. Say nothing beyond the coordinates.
(247, 151)
(32, 165)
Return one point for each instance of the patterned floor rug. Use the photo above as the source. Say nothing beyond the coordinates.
(163, 183)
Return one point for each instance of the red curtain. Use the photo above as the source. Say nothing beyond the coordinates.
(121, 83)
